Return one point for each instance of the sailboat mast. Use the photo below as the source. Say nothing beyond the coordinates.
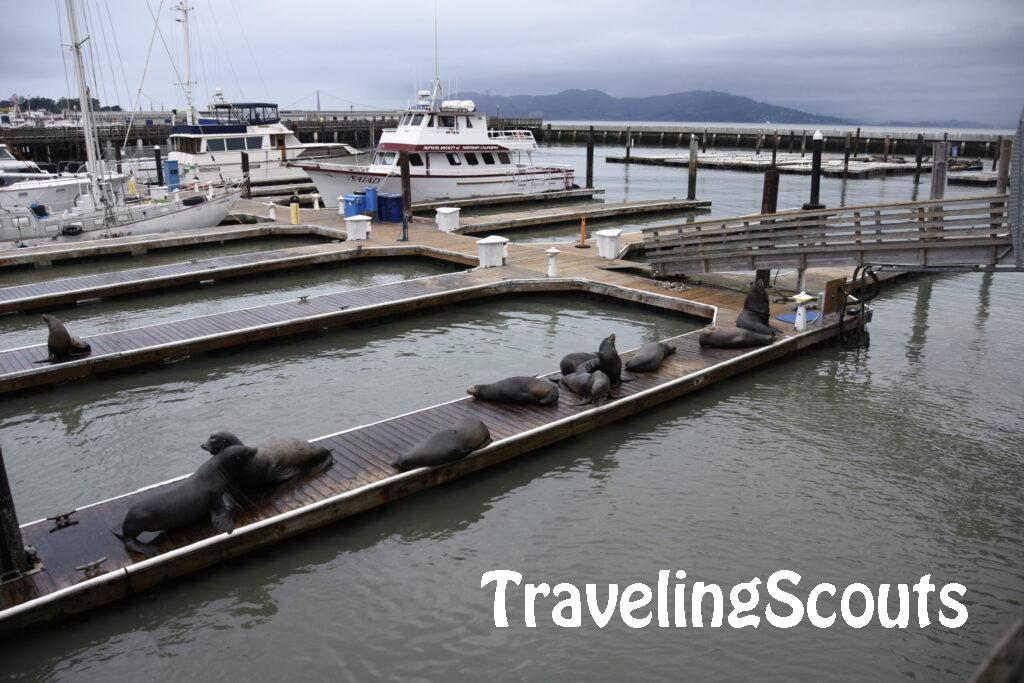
(190, 111)
(85, 101)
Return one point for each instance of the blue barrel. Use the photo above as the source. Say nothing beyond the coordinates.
(171, 174)
(371, 199)
(389, 207)
(360, 202)
(351, 208)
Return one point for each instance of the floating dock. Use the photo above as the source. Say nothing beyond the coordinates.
(475, 225)
(81, 565)
(785, 163)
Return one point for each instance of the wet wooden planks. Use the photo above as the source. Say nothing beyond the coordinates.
(69, 290)
(521, 219)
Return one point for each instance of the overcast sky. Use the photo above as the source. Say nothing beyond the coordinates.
(868, 60)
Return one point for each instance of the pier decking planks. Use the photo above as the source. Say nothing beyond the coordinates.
(361, 469)
(566, 214)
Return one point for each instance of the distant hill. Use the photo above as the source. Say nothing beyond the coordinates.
(951, 123)
(694, 105)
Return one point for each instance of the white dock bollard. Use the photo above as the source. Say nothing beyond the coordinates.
(491, 251)
(316, 201)
(801, 300)
(608, 243)
(552, 261)
(341, 206)
(357, 227)
(272, 211)
(447, 218)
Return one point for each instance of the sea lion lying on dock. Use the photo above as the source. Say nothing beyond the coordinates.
(575, 362)
(517, 390)
(61, 344)
(733, 339)
(445, 446)
(187, 500)
(650, 357)
(756, 313)
(277, 459)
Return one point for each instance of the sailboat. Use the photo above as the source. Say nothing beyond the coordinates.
(102, 211)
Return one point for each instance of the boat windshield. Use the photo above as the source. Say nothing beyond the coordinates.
(384, 158)
(4, 154)
(252, 113)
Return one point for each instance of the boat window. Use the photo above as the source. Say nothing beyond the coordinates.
(469, 122)
(471, 159)
(388, 158)
(234, 143)
(215, 145)
(503, 158)
(4, 154)
(417, 119)
(488, 157)
(254, 142)
(446, 121)
(405, 119)
(453, 159)
(415, 160)
(430, 121)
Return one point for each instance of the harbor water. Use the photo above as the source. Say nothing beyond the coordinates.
(875, 464)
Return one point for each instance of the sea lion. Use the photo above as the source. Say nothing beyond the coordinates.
(733, 339)
(447, 445)
(517, 390)
(61, 344)
(609, 361)
(650, 357)
(578, 383)
(187, 500)
(277, 459)
(756, 313)
(581, 360)
(599, 387)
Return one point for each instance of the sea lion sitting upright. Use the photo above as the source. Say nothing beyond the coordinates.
(187, 500)
(518, 390)
(650, 357)
(61, 344)
(447, 445)
(277, 459)
(756, 313)
(610, 362)
(581, 360)
(733, 339)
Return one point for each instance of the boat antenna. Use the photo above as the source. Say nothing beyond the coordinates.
(84, 101)
(437, 78)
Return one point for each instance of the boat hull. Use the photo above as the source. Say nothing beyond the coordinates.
(334, 184)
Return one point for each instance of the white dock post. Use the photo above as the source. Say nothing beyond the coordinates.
(341, 206)
(608, 243)
(491, 251)
(316, 201)
(447, 218)
(357, 227)
(552, 261)
(801, 300)
(272, 211)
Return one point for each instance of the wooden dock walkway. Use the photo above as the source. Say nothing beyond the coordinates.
(476, 225)
(509, 199)
(785, 163)
(64, 291)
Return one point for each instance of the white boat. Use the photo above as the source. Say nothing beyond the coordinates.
(210, 150)
(104, 211)
(23, 183)
(452, 155)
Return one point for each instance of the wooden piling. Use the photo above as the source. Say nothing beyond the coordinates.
(885, 148)
(1003, 180)
(940, 152)
(247, 192)
(856, 143)
(815, 202)
(13, 559)
(770, 194)
(403, 163)
(792, 139)
(590, 159)
(691, 183)
(159, 165)
(704, 141)
(846, 154)
(803, 144)
(629, 143)
(999, 147)
(117, 156)
(918, 153)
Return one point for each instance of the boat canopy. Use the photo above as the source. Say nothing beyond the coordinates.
(246, 113)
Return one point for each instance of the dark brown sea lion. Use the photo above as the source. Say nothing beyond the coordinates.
(756, 313)
(581, 360)
(733, 339)
(577, 383)
(650, 357)
(277, 459)
(447, 445)
(610, 362)
(518, 390)
(61, 344)
(187, 500)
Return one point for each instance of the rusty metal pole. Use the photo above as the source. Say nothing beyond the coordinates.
(919, 152)
(590, 159)
(403, 164)
(13, 559)
(691, 182)
(816, 145)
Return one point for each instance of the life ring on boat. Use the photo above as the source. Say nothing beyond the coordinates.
(193, 201)
(71, 229)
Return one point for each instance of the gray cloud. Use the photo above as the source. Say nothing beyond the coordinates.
(873, 60)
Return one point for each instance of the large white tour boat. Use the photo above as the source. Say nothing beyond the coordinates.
(452, 155)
